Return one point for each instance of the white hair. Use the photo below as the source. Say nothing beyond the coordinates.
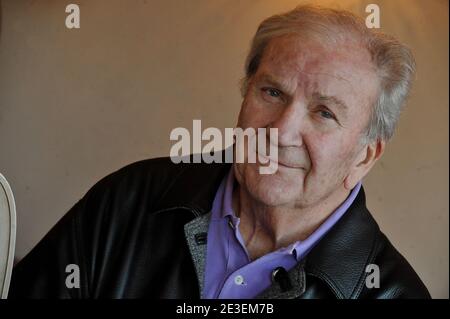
(393, 61)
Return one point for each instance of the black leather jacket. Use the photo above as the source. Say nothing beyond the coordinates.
(127, 237)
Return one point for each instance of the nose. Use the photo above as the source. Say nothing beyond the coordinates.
(289, 123)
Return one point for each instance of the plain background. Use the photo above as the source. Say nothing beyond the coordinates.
(76, 105)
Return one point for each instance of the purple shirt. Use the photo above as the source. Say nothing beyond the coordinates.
(229, 272)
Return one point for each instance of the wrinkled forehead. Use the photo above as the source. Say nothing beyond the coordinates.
(346, 66)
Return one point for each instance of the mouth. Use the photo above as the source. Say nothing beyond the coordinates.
(280, 163)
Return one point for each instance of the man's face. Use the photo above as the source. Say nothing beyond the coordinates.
(320, 100)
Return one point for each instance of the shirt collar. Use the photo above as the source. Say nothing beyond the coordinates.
(227, 208)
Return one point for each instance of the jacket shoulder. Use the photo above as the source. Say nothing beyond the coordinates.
(397, 278)
(98, 231)
(160, 170)
(162, 184)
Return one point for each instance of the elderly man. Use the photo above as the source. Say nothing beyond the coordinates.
(333, 89)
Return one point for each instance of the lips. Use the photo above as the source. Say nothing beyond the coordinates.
(281, 163)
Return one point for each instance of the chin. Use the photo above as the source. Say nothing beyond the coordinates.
(272, 198)
(278, 189)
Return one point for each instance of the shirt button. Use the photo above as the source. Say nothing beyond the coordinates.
(238, 280)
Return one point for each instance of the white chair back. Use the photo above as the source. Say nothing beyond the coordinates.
(7, 235)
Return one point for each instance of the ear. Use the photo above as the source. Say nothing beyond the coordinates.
(364, 161)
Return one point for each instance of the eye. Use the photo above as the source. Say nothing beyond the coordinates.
(325, 113)
(272, 92)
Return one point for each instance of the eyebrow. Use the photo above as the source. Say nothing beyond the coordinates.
(334, 100)
(265, 77)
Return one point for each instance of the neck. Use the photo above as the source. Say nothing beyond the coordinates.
(268, 228)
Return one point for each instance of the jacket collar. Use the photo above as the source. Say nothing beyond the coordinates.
(341, 256)
(193, 187)
(339, 259)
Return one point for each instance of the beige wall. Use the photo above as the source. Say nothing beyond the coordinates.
(76, 105)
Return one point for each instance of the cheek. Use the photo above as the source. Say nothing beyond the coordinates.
(326, 154)
(254, 114)
(249, 115)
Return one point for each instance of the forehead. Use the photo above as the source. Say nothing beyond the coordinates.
(344, 70)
